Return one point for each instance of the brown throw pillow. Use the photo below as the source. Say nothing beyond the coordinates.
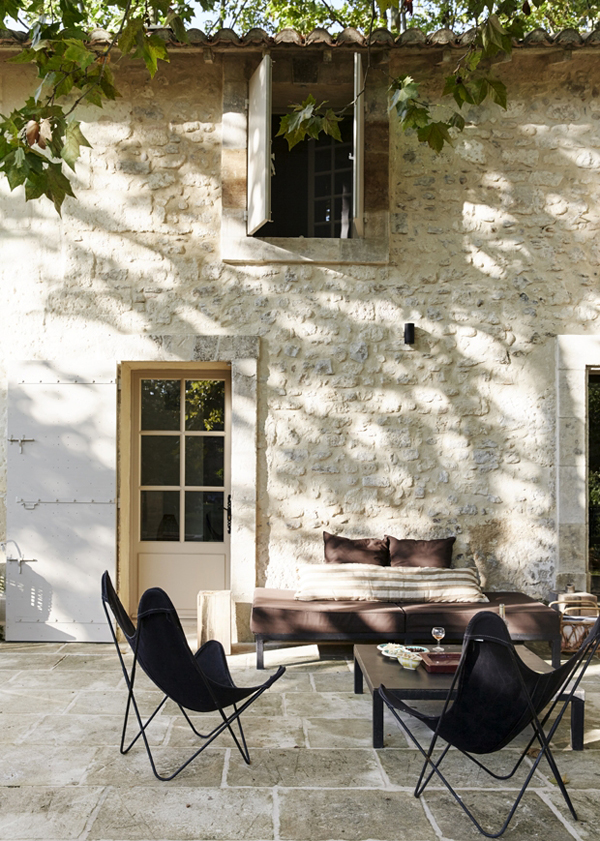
(421, 553)
(368, 550)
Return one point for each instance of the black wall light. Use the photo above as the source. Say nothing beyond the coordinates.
(409, 334)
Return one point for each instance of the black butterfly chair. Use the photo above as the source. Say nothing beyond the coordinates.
(199, 682)
(493, 698)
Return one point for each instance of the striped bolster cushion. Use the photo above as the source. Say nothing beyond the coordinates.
(368, 582)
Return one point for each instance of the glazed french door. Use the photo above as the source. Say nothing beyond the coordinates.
(181, 483)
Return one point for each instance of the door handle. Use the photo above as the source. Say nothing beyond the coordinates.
(228, 509)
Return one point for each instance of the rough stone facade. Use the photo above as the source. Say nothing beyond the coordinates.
(493, 254)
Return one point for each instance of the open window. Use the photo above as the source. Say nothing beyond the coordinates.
(316, 188)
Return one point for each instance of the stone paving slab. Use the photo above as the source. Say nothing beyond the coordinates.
(314, 774)
(587, 807)
(302, 768)
(20, 701)
(90, 729)
(338, 733)
(14, 726)
(35, 813)
(112, 702)
(17, 660)
(355, 815)
(89, 679)
(184, 814)
(534, 820)
(47, 765)
(328, 705)
(111, 768)
(260, 732)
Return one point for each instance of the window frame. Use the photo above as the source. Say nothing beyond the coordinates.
(369, 244)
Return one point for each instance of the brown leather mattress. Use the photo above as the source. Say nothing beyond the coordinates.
(277, 612)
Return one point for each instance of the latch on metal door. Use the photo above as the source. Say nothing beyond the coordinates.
(20, 560)
(20, 441)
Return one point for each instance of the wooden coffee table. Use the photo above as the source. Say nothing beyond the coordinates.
(420, 685)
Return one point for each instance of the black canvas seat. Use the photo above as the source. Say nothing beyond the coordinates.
(198, 683)
(494, 698)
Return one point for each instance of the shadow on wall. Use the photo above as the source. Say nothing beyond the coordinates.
(357, 432)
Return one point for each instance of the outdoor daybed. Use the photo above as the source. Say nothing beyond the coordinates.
(358, 597)
(277, 615)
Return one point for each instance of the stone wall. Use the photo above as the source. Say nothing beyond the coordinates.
(493, 254)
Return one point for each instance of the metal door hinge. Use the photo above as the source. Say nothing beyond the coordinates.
(30, 504)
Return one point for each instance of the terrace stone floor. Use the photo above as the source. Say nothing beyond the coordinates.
(314, 775)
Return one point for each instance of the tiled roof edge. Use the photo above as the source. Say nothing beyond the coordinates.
(347, 38)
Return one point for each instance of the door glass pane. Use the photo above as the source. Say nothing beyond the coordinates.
(160, 404)
(204, 460)
(160, 460)
(160, 515)
(204, 516)
(204, 405)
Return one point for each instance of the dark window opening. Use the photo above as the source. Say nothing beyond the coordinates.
(311, 187)
(594, 479)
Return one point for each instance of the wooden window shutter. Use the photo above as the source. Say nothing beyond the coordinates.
(259, 147)
(358, 175)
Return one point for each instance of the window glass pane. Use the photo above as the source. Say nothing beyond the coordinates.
(204, 405)
(323, 159)
(343, 183)
(160, 515)
(160, 404)
(204, 460)
(322, 185)
(160, 460)
(342, 155)
(204, 516)
(322, 211)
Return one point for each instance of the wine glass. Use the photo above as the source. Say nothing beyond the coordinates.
(438, 634)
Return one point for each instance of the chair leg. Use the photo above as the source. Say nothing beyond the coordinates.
(434, 769)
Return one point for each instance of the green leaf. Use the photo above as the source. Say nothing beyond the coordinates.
(79, 53)
(74, 140)
(151, 49)
(456, 87)
(457, 121)
(435, 135)
(175, 22)
(473, 59)
(58, 186)
(331, 123)
(24, 57)
(498, 92)
(128, 37)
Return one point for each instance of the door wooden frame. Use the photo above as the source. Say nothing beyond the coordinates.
(128, 374)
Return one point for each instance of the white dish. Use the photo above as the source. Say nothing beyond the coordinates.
(391, 649)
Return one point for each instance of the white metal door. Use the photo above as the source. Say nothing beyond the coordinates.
(61, 500)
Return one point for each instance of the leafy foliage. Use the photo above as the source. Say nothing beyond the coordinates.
(39, 138)
(308, 120)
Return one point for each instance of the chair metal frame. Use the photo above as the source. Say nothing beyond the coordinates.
(212, 647)
(577, 666)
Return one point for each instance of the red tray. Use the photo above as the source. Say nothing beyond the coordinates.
(441, 662)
